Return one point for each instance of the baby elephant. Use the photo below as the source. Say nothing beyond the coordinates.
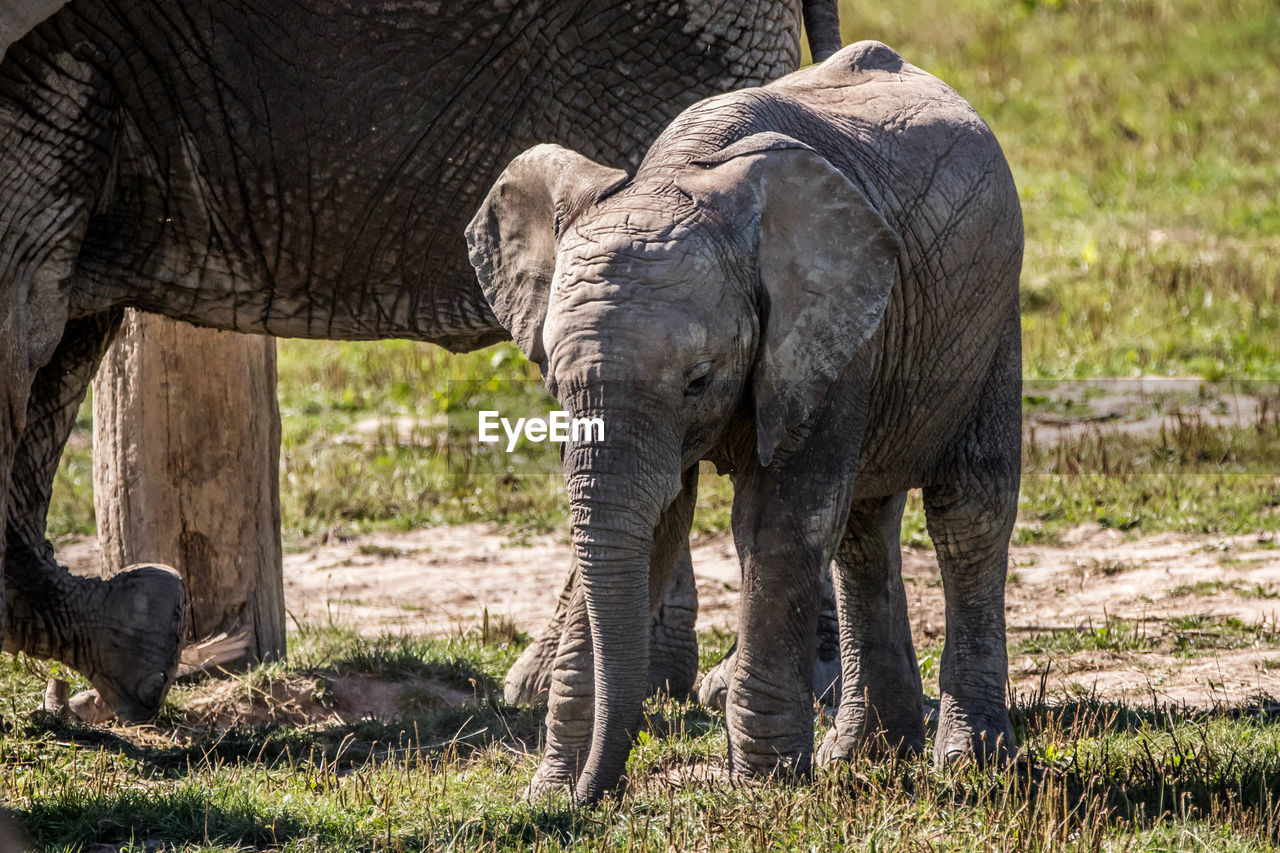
(814, 285)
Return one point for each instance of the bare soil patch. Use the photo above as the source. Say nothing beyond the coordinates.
(315, 700)
(444, 580)
(1061, 411)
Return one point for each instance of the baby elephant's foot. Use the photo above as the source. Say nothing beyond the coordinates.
(529, 680)
(552, 777)
(843, 740)
(984, 736)
(754, 769)
(839, 746)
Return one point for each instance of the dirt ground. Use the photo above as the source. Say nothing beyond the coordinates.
(442, 580)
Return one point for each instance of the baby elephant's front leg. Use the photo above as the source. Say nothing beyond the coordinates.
(769, 708)
(786, 533)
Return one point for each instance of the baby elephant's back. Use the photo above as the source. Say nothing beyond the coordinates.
(928, 162)
(921, 153)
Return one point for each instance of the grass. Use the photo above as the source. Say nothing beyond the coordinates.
(1111, 635)
(1215, 587)
(1187, 477)
(1186, 636)
(348, 458)
(1091, 776)
(1140, 136)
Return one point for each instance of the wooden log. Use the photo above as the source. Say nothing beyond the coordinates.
(186, 472)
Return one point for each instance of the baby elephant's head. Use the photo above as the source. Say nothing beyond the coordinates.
(658, 302)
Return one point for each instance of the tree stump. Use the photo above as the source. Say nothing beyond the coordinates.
(186, 466)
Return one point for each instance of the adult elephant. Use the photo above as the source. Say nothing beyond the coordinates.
(304, 169)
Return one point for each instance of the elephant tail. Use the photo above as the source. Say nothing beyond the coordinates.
(822, 23)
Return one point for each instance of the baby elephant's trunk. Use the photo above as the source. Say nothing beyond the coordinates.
(616, 499)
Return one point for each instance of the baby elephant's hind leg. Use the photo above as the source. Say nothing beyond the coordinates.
(970, 510)
(880, 705)
(673, 644)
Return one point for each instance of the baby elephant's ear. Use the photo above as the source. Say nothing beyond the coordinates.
(827, 262)
(512, 238)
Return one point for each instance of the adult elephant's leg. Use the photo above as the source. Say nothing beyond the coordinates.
(123, 634)
(57, 126)
(970, 511)
(13, 395)
(40, 615)
(571, 704)
(826, 660)
(881, 703)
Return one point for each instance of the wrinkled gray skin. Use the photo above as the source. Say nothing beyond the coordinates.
(673, 646)
(289, 168)
(814, 285)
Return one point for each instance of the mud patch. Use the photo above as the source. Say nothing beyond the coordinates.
(316, 700)
(1057, 411)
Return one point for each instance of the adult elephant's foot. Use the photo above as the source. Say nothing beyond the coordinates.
(136, 641)
(124, 634)
(977, 733)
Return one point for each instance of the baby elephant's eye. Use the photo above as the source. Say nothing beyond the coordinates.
(697, 378)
